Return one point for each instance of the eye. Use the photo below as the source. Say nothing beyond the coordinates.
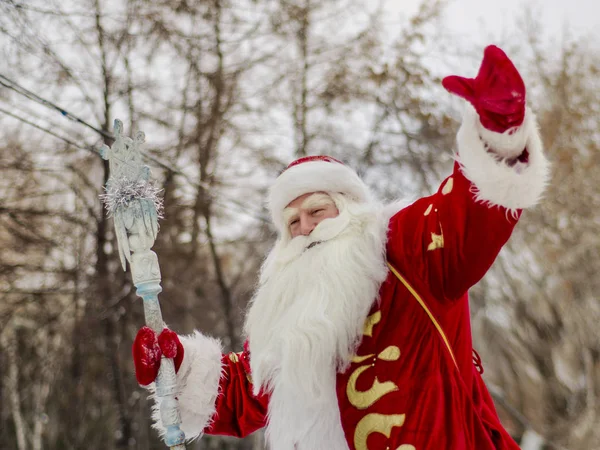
(295, 221)
(317, 211)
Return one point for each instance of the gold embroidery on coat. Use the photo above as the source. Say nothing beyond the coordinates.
(359, 359)
(447, 189)
(375, 423)
(437, 241)
(428, 210)
(371, 321)
(364, 399)
(233, 357)
(391, 353)
(406, 447)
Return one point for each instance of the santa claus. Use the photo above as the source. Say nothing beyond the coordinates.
(358, 335)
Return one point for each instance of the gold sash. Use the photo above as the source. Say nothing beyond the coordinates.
(429, 313)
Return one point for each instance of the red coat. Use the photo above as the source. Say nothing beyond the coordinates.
(403, 391)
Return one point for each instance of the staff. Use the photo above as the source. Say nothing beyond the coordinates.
(132, 200)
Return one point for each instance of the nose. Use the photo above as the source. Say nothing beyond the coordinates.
(307, 224)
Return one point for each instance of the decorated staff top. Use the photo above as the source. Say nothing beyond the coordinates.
(131, 198)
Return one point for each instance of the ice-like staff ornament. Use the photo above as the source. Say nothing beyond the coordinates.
(133, 201)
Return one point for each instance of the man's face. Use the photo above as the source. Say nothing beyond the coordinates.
(304, 213)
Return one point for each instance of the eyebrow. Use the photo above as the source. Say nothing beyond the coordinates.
(315, 200)
(288, 213)
(318, 199)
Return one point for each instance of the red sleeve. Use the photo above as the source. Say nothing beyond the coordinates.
(238, 411)
(449, 240)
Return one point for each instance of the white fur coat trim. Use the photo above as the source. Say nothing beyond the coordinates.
(510, 143)
(482, 154)
(197, 385)
(313, 176)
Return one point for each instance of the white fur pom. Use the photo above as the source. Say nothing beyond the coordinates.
(197, 385)
(481, 154)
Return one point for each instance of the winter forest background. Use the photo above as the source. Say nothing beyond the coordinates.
(228, 92)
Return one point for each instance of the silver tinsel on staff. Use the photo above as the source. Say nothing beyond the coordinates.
(133, 201)
(122, 192)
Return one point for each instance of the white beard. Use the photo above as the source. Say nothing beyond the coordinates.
(306, 321)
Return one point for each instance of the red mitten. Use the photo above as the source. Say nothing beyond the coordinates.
(497, 93)
(171, 347)
(146, 356)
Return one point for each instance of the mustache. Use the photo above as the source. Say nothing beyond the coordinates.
(326, 231)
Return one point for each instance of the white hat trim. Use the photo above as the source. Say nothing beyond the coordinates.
(313, 176)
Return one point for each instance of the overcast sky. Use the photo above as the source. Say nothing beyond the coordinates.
(476, 18)
(471, 16)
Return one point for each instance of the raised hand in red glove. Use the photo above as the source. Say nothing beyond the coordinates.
(148, 349)
(497, 92)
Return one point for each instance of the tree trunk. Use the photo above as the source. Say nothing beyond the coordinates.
(10, 343)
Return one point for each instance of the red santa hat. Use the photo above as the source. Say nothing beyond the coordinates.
(313, 174)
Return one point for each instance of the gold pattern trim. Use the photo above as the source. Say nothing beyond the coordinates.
(233, 357)
(375, 423)
(448, 186)
(391, 353)
(437, 241)
(359, 359)
(370, 322)
(406, 447)
(428, 210)
(364, 399)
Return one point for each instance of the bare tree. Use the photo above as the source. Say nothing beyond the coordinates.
(226, 93)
